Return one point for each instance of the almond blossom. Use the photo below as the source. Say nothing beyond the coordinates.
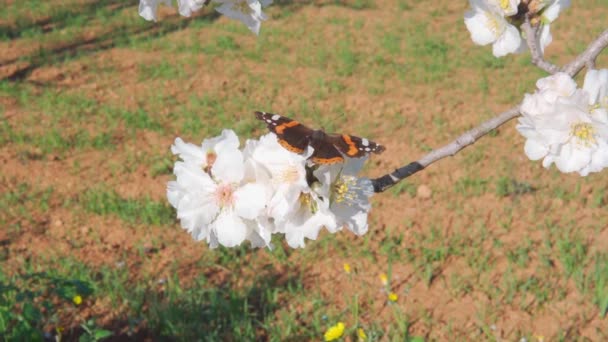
(566, 125)
(248, 12)
(226, 196)
(213, 202)
(487, 24)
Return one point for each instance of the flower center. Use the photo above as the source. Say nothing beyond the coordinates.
(224, 195)
(307, 201)
(343, 190)
(584, 132)
(493, 24)
(504, 4)
(289, 175)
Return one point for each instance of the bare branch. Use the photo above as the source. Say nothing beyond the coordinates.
(532, 39)
(468, 138)
(588, 56)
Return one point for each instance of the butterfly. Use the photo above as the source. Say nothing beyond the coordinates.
(328, 148)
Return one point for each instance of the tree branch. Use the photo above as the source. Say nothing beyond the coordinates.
(532, 39)
(468, 138)
(587, 58)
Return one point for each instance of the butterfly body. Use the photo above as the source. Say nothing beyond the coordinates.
(328, 148)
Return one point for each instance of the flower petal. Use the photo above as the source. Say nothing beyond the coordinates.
(229, 229)
(228, 166)
(250, 199)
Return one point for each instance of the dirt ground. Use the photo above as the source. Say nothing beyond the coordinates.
(451, 251)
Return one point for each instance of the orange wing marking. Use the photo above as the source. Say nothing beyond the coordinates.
(327, 160)
(352, 148)
(288, 147)
(279, 129)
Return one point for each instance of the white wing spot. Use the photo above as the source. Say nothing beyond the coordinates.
(364, 142)
(367, 149)
(276, 117)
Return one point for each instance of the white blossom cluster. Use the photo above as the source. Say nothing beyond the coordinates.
(248, 12)
(567, 125)
(226, 195)
(498, 22)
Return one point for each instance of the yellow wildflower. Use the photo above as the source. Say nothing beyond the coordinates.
(335, 332)
(361, 334)
(347, 268)
(393, 297)
(384, 279)
(77, 300)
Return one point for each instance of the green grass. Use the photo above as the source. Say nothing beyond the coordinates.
(102, 94)
(104, 202)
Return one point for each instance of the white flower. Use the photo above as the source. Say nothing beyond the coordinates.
(552, 8)
(309, 215)
(549, 13)
(205, 155)
(561, 128)
(596, 85)
(487, 24)
(148, 8)
(248, 12)
(186, 7)
(508, 7)
(285, 172)
(213, 202)
(348, 194)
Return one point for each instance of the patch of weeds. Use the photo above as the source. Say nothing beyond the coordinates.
(572, 252)
(220, 45)
(347, 59)
(404, 187)
(163, 70)
(60, 105)
(23, 201)
(201, 115)
(92, 332)
(429, 59)
(161, 166)
(404, 5)
(144, 210)
(471, 186)
(391, 42)
(598, 280)
(510, 187)
(139, 119)
(31, 300)
(520, 255)
(598, 201)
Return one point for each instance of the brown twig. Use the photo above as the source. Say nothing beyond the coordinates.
(533, 41)
(588, 56)
(468, 138)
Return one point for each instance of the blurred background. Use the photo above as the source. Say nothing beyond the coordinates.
(485, 245)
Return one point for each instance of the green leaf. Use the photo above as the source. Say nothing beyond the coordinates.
(101, 334)
(31, 313)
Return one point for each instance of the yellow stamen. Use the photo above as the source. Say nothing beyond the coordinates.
(584, 132)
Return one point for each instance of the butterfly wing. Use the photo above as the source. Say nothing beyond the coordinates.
(324, 151)
(353, 146)
(291, 134)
